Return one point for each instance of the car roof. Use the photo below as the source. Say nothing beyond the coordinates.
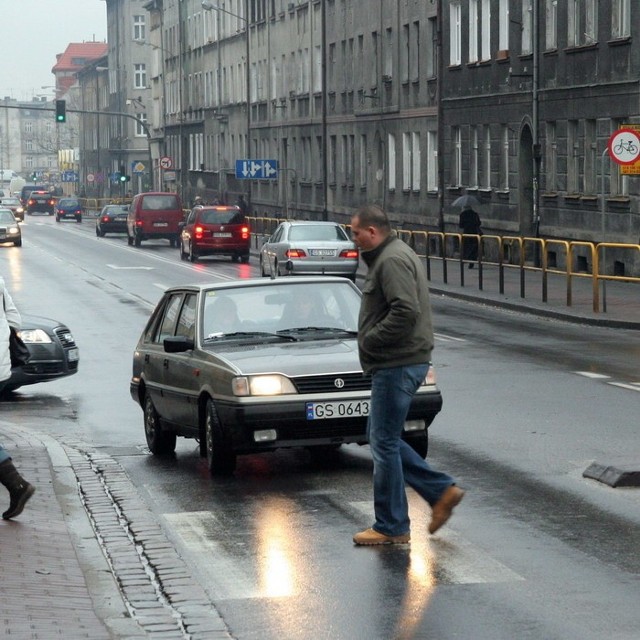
(253, 282)
(314, 222)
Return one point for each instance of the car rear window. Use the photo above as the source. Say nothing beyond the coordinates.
(317, 232)
(224, 216)
(68, 202)
(160, 203)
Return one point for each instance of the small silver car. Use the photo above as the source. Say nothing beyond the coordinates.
(302, 248)
(255, 365)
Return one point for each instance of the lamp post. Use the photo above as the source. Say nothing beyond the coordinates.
(211, 6)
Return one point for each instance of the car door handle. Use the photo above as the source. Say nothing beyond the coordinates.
(146, 358)
(165, 363)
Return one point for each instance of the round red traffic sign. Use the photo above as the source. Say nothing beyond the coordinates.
(166, 162)
(624, 146)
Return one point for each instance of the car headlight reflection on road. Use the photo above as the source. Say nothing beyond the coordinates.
(35, 336)
(265, 385)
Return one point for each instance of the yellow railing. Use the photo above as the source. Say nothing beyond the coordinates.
(520, 253)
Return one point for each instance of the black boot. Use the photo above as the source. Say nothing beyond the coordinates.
(19, 489)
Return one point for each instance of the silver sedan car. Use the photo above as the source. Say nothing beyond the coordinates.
(303, 248)
(251, 366)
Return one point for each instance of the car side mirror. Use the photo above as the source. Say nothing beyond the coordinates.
(178, 344)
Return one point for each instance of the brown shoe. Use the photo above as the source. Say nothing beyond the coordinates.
(442, 510)
(371, 536)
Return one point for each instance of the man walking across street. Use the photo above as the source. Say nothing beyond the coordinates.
(395, 339)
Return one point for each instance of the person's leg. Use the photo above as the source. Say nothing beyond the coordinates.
(19, 489)
(425, 481)
(391, 394)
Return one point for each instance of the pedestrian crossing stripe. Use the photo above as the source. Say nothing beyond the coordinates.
(633, 386)
(592, 375)
(446, 338)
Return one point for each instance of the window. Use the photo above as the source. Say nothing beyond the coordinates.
(473, 160)
(455, 34)
(167, 325)
(391, 162)
(432, 161)
(387, 70)
(139, 28)
(404, 54)
(333, 160)
(486, 29)
(363, 160)
(411, 161)
(551, 157)
(473, 30)
(432, 48)
(415, 167)
(186, 326)
(140, 76)
(573, 157)
(414, 53)
(456, 157)
(503, 23)
(141, 117)
(590, 157)
(582, 22)
(504, 159)
(28, 145)
(28, 127)
(551, 24)
(527, 27)
(621, 18)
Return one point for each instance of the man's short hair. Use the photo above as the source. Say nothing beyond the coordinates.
(371, 215)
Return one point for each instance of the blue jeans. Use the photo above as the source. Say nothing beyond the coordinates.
(394, 461)
(4, 454)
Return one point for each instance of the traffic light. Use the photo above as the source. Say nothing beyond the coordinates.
(61, 110)
(123, 174)
(123, 178)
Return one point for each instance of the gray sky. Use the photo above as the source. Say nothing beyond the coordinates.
(34, 31)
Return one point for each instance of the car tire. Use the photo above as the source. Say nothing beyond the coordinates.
(420, 444)
(262, 272)
(193, 256)
(57, 218)
(159, 442)
(129, 240)
(221, 460)
(79, 219)
(245, 258)
(100, 233)
(235, 258)
(137, 241)
(17, 243)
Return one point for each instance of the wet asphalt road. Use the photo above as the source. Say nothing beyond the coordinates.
(534, 552)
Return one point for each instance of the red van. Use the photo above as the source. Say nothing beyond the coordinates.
(154, 215)
(215, 230)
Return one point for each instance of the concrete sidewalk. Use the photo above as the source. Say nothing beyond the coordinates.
(87, 558)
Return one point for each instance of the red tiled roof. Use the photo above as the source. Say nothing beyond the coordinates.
(76, 52)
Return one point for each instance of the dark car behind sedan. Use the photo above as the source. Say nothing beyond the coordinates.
(68, 208)
(54, 353)
(40, 202)
(112, 219)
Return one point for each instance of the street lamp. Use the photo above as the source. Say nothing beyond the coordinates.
(211, 6)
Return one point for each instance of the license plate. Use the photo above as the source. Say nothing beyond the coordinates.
(160, 224)
(328, 410)
(72, 355)
(221, 235)
(322, 252)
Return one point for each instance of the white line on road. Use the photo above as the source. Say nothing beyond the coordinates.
(634, 386)
(591, 374)
(114, 266)
(446, 338)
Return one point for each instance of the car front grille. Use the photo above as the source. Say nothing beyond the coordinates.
(64, 335)
(331, 383)
(352, 428)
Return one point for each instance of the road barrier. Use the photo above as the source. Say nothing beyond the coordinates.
(523, 254)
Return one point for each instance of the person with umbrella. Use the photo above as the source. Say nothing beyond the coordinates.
(470, 224)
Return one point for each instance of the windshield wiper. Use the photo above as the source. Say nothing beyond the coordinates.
(212, 337)
(349, 332)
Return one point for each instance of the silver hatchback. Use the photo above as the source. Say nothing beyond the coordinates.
(303, 248)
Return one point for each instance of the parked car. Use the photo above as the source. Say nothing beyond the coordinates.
(54, 353)
(309, 248)
(9, 228)
(255, 365)
(215, 230)
(69, 208)
(41, 202)
(15, 205)
(154, 215)
(112, 219)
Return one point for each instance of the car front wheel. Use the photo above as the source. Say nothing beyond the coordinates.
(220, 458)
(159, 442)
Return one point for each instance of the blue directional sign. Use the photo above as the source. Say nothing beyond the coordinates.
(256, 169)
(69, 176)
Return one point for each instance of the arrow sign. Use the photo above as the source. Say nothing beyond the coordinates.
(256, 169)
(270, 168)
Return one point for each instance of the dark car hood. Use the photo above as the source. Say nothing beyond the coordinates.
(39, 322)
(291, 358)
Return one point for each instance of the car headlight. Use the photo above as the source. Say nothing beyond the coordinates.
(264, 385)
(13, 230)
(35, 336)
(20, 210)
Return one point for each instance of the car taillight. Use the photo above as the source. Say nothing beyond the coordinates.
(349, 253)
(244, 233)
(295, 253)
(52, 201)
(105, 218)
(138, 223)
(198, 232)
(31, 202)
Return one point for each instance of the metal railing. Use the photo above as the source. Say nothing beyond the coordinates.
(520, 253)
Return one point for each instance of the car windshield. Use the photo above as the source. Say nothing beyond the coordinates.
(221, 216)
(306, 310)
(6, 216)
(159, 203)
(317, 232)
(68, 202)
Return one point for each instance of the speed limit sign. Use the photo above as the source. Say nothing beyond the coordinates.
(624, 146)
(166, 162)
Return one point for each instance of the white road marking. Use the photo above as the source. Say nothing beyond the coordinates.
(633, 386)
(446, 338)
(114, 266)
(591, 374)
